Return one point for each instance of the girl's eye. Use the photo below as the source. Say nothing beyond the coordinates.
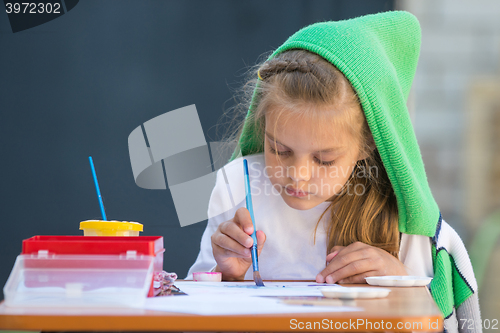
(325, 163)
(286, 153)
(278, 152)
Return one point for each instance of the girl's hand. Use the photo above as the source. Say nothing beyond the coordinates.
(231, 244)
(351, 264)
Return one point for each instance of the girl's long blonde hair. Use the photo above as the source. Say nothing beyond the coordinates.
(297, 76)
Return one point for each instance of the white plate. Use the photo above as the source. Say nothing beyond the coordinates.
(354, 292)
(398, 281)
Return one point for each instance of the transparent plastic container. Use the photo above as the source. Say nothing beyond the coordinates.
(98, 245)
(110, 228)
(51, 280)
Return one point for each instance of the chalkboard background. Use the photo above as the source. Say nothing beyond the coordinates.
(78, 85)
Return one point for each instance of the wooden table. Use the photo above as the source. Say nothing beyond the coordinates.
(406, 309)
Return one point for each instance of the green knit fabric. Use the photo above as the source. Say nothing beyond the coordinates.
(378, 54)
(441, 281)
(448, 287)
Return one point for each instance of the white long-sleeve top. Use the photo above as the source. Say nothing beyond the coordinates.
(290, 251)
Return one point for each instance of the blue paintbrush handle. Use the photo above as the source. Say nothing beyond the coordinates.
(101, 205)
(255, 260)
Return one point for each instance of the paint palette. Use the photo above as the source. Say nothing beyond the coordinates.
(398, 281)
(354, 292)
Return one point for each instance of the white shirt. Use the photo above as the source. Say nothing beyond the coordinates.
(290, 252)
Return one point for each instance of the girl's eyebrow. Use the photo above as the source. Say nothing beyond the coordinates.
(328, 150)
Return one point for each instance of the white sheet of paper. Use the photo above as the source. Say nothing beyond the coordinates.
(208, 304)
(237, 298)
(249, 288)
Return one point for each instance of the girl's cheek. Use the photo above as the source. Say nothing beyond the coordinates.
(273, 166)
(275, 173)
(270, 168)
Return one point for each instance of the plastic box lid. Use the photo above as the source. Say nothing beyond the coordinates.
(148, 245)
(79, 280)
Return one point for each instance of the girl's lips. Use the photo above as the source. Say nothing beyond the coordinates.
(295, 193)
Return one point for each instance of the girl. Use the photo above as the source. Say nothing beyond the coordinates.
(338, 183)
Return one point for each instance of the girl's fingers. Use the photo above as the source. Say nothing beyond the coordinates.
(232, 238)
(343, 259)
(243, 219)
(225, 246)
(331, 256)
(357, 261)
(345, 256)
(261, 239)
(357, 267)
(333, 252)
(233, 230)
(337, 248)
(358, 278)
(356, 246)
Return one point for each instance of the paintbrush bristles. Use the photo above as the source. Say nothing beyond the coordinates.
(258, 279)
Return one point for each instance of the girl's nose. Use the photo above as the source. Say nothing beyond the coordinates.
(299, 171)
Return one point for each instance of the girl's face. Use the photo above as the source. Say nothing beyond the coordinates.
(308, 159)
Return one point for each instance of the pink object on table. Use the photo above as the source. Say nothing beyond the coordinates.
(164, 283)
(207, 276)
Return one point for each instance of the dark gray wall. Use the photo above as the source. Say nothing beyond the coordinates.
(78, 85)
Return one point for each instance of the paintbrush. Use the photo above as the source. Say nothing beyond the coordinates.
(255, 259)
(101, 205)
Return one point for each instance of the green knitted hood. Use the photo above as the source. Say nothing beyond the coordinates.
(378, 54)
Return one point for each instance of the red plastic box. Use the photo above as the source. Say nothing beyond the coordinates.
(98, 245)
